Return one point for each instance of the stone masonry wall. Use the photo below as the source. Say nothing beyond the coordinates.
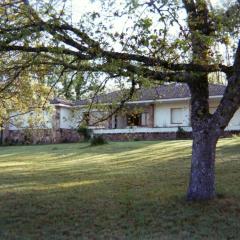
(68, 136)
(47, 136)
(42, 136)
(25, 136)
(145, 136)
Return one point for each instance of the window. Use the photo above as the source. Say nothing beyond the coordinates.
(134, 119)
(144, 119)
(115, 121)
(140, 119)
(176, 116)
(86, 118)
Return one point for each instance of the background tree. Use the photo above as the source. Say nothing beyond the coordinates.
(165, 41)
(20, 91)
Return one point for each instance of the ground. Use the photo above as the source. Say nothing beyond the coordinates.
(131, 190)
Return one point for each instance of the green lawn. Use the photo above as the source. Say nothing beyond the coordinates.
(131, 190)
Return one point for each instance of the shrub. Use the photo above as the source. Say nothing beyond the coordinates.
(6, 141)
(10, 142)
(182, 134)
(86, 132)
(98, 140)
(27, 136)
(136, 139)
(181, 130)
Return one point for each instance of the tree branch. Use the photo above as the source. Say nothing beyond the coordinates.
(231, 98)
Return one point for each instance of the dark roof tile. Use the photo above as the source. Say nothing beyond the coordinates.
(166, 91)
(61, 101)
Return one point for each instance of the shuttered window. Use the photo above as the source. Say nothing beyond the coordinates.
(144, 119)
(176, 115)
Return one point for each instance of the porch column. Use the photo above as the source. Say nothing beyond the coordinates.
(56, 134)
(150, 116)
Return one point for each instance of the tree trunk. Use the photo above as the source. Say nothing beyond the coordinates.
(202, 178)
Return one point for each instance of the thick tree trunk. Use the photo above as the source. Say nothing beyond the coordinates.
(202, 177)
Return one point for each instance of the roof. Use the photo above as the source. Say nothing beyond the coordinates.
(62, 101)
(166, 91)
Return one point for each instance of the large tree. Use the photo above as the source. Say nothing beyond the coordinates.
(165, 41)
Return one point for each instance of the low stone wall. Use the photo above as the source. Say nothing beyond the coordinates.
(151, 136)
(68, 136)
(41, 136)
(145, 136)
(47, 136)
(25, 136)
(231, 133)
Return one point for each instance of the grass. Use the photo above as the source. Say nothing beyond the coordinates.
(131, 190)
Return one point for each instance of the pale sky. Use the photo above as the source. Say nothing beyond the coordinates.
(81, 6)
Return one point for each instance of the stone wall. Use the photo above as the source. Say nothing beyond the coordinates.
(47, 136)
(26, 136)
(153, 136)
(42, 136)
(68, 136)
(145, 136)
(230, 133)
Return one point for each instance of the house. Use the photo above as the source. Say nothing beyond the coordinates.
(154, 113)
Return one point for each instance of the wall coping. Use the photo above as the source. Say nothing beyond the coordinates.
(152, 130)
(140, 130)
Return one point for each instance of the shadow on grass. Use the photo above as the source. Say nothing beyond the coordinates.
(114, 194)
(59, 149)
(99, 212)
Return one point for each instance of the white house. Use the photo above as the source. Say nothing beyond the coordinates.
(154, 113)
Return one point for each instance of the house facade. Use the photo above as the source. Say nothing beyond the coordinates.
(161, 112)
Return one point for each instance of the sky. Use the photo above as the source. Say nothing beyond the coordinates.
(82, 6)
(79, 7)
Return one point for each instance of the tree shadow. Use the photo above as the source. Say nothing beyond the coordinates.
(133, 194)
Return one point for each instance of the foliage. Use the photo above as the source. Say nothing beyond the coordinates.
(180, 130)
(79, 58)
(85, 131)
(182, 134)
(20, 91)
(98, 140)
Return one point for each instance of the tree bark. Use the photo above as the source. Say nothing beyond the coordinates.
(202, 177)
(205, 137)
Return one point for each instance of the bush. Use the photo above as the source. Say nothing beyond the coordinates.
(181, 130)
(6, 141)
(98, 140)
(136, 139)
(86, 132)
(182, 134)
(27, 139)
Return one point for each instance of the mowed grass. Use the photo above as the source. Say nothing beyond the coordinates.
(130, 190)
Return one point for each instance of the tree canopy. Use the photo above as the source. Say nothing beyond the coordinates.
(156, 45)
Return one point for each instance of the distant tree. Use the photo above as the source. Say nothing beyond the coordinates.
(165, 41)
(20, 91)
